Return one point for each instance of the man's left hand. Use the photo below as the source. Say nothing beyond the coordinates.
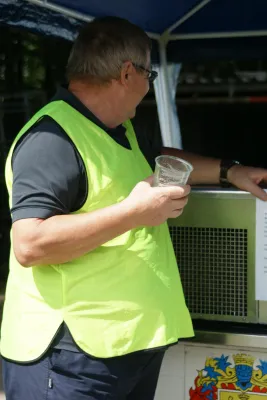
(248, 179)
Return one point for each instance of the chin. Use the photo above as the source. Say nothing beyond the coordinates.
(132, 114)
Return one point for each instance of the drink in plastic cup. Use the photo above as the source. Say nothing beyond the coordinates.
(171, 171)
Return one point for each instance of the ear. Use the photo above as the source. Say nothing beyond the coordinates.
(126, 73)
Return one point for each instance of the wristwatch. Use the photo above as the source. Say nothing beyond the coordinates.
(225, 165)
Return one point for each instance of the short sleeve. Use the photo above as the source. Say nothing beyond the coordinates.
(46, 173)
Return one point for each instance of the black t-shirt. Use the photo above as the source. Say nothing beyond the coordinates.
(49, 176)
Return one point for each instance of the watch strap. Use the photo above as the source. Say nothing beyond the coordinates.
(225, 165)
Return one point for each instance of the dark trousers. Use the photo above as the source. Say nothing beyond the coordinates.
(66, 375)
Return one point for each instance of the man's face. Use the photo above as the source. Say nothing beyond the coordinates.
(138, 87)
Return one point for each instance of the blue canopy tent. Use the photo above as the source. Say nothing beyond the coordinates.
(179, 28)
(180, 19)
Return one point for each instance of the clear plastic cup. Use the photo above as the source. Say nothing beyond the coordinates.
(171, 171)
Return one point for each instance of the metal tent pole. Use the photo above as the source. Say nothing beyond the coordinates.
(165, 99)
(169, 122)
(62, 10)
(188, 15)
(218, 35)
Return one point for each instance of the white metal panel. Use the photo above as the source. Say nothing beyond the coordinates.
(172, 378)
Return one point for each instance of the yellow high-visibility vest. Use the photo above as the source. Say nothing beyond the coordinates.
(122, 297)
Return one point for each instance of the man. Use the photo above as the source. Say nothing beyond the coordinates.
(94, 296)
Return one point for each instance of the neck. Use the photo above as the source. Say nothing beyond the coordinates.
(103, 101)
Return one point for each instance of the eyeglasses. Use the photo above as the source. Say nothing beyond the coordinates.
(151, 75)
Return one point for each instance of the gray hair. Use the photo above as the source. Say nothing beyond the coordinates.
(102, 47)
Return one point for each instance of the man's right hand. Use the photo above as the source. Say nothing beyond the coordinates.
(62, 238)
(151, 206)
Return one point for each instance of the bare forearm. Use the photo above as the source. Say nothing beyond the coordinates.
(63, 238)
(206, 170)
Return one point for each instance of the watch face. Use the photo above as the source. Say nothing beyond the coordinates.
(228, 163)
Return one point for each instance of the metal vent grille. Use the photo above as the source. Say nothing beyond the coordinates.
(213, 268)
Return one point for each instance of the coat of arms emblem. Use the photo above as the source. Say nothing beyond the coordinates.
(236, 378)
